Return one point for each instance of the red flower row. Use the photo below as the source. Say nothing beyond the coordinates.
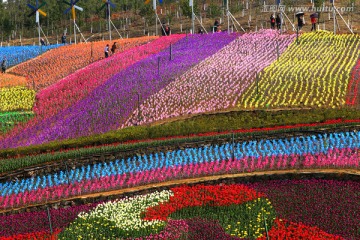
(201, 195)
(284, 229)
(35, 236)
(352, 94)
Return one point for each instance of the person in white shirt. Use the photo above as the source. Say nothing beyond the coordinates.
(106, 50)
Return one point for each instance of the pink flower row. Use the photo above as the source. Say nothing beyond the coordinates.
(217, 82)
(78, 85)
(333, 158)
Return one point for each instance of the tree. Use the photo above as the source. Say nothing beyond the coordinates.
(7, 27)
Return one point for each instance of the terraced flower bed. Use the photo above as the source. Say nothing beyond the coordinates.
(9, 119)
(79, 84)
(54, 65)
(334, 150)
(16, 98)
(10, 80)
(217, 82)
(228, 210)
(109, 105)
(137, 191)
(314, 73)
(18, 54)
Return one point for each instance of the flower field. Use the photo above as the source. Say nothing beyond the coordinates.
(109, 105)
(331, 205)
(10, 80)
(353, 87)
(289, 111)
(217, 82)
(18, 54)
(220, 211)
(313, 73)
(16, 98)
(78, 85)
(54, 65)
(334, 150)
(9, 119)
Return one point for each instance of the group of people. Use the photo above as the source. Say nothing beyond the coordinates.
(300, 20)
(107, 49)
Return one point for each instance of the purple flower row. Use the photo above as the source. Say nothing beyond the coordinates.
(109, 105)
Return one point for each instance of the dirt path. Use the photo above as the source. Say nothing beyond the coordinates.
(354, 172)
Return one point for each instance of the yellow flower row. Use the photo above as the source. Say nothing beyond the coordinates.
(16, 98)
(312, 73)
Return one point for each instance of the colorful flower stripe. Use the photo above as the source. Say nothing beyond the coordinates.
(342, 144)
(121, 217)
(18, 54)
(109, 105)
(199, 195)
(347, 157)
(61, 62)
(16, 98)
(63, 94)
(78, 85)
(331, 205)
(215, 83)
(284, 229)
(314, 73)
(44, 235)
(9, 80)
(353, 87)
(28, 222)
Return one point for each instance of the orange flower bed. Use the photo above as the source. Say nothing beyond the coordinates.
(10, 80)
(56, 64)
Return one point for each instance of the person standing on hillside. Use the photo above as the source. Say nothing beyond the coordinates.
(63, 39)
(278, 21)
(113, 48)
(3, 65)
(106, 50)
(167, 30)
(300, 19)
(216, 25)
(272, 21)
(313, 23)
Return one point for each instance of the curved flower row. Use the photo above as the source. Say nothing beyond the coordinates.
(59, 63)
(109, 105)
(124, 215)
(18, 54)
(334, 150)
(124, 219)
(217, 82)
(16, 98)
(306, 146)
(313, 73)
(329, 205)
